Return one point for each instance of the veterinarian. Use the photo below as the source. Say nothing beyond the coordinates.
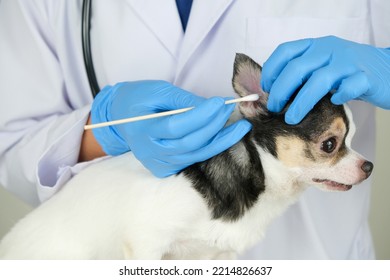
(149, 56)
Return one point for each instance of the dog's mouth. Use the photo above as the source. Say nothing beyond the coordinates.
(332, 185)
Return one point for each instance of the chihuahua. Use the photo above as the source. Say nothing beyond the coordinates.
(115, 209)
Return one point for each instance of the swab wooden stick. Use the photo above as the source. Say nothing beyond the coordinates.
(251, 97)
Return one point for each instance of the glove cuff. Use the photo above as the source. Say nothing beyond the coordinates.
(107, 137)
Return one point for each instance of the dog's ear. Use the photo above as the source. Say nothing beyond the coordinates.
(246, 80)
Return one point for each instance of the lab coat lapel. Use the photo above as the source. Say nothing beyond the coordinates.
(163, 20)
(203, 17)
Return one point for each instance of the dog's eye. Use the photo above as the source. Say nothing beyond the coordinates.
(329, 145)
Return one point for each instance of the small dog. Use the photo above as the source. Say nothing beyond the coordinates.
(116, 209)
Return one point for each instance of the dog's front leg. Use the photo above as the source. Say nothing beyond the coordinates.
(226, 255)
(142, 251)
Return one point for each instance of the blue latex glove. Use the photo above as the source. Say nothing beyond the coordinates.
(355, 71)
(164, 145)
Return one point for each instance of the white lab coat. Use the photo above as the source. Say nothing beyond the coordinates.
(45, 95)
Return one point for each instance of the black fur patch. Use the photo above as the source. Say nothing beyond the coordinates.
(229, 187)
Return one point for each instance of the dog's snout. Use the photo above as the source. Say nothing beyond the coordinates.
(367, 167)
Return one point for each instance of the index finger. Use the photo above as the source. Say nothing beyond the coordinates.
(278, 60)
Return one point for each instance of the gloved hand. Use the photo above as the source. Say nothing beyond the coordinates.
(164, 145)
(355, 71)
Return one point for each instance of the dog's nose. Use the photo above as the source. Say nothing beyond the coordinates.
(367, 167)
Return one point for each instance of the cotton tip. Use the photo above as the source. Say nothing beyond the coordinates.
(251, 97)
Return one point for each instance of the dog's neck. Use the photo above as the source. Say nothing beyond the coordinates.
(232, 181)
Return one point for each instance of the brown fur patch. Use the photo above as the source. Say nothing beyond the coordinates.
(295, 152)
(291, 151)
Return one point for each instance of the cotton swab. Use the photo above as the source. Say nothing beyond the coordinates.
(251, 97)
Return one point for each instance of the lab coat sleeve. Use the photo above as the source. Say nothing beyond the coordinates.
(40, 124)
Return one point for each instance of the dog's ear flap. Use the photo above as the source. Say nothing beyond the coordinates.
(246, 81)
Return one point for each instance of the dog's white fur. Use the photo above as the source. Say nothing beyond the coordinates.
(128, 213)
